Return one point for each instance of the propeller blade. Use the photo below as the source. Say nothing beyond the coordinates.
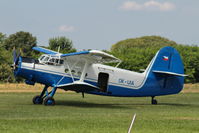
(18, 56)
(15, 59)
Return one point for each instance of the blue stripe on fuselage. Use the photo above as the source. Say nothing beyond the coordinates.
(150, 88)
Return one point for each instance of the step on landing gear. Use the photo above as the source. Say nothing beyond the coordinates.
(154, 101)
(45, 96)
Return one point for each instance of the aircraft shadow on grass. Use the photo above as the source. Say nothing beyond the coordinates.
(179, 104)
(84, 104)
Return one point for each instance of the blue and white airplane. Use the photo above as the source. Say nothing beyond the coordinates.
(84, 72)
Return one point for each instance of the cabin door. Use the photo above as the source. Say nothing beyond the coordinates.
(103, 81)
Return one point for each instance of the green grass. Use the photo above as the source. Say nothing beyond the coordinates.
(99, 114)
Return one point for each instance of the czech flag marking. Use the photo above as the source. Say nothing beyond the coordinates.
(166, 58)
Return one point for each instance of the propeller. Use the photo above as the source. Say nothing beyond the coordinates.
(15, 59)
(15, 63)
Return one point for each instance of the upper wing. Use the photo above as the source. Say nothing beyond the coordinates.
(44, 50)
(93, 56)
(79, 61)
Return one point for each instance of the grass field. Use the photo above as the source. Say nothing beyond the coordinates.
(98, 114)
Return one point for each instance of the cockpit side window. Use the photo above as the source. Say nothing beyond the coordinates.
(57, 61)
(46, 59)
(42, 57)
(51, 60)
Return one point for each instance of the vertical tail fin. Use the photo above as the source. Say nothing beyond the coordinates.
(168, 69)
(168, 60)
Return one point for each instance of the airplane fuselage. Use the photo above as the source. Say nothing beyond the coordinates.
(84, 72)
(111, 80)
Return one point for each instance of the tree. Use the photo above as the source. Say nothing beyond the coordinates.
(136, 54)
(5, 69)
(2, 38)
(65, 44)
(22, 41)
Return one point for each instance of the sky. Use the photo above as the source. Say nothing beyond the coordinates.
(98, 24)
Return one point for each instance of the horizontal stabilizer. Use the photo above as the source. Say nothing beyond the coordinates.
(169, 73)
(78, 87)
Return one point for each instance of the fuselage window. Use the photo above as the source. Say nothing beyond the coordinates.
(61, 62)
(79, 73)
(42, 58)
(73, 72)
(46, 59)
(66, 70)
(52, 60)
(57, 61)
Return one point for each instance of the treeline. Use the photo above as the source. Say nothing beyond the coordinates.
(135, 53)
(22, 42)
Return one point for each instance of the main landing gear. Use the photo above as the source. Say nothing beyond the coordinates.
(45, 96)
(153, 101)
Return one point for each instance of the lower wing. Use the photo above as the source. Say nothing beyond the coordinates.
(78, 87)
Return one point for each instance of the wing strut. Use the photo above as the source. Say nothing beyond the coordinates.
(84, 71)
(82, 75)
(70, 71)
(65, 75)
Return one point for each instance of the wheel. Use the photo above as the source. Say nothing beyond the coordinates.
(49, 101)
(37, 100)
(154, 102)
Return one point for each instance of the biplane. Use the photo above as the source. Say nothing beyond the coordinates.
(86, 72)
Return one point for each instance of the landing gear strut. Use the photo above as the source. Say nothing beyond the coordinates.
(45, 96)
(82, 94)
(153, 101)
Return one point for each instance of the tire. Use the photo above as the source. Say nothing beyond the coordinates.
(37, 100)
(49, 101)
(154, 102)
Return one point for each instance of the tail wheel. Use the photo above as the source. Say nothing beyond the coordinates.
(37, 100)
(154, 102)
(49, 101)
